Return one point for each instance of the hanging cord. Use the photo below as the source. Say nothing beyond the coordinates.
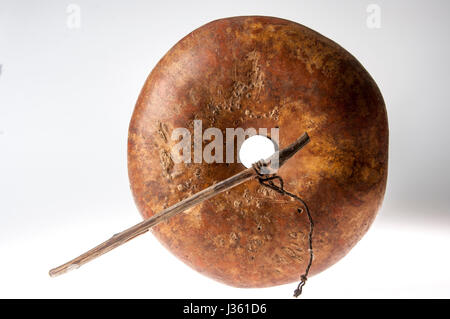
(267, 181)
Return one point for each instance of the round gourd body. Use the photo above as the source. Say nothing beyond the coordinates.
(261, 72)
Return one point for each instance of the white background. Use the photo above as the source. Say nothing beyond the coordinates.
(66, 98)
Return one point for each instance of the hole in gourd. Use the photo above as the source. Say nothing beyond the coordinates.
(255, 148)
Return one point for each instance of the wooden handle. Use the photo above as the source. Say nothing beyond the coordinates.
(118, 239)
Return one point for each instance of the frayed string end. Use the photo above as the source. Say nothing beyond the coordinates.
(298, 291)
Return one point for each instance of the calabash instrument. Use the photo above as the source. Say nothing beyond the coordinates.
(258, 72)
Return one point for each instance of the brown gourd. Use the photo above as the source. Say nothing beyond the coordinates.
(261, 72)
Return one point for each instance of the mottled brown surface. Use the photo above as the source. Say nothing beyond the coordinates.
(262, 72)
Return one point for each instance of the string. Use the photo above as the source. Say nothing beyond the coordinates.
(268, 181)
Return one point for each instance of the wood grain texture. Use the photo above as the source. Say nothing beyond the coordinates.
(261, 72)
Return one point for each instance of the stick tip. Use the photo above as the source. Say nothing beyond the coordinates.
(290, 150)
(62, 270)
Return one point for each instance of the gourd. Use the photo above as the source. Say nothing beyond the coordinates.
(261, 72)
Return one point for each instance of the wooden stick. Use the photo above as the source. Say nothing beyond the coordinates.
(271, 165)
